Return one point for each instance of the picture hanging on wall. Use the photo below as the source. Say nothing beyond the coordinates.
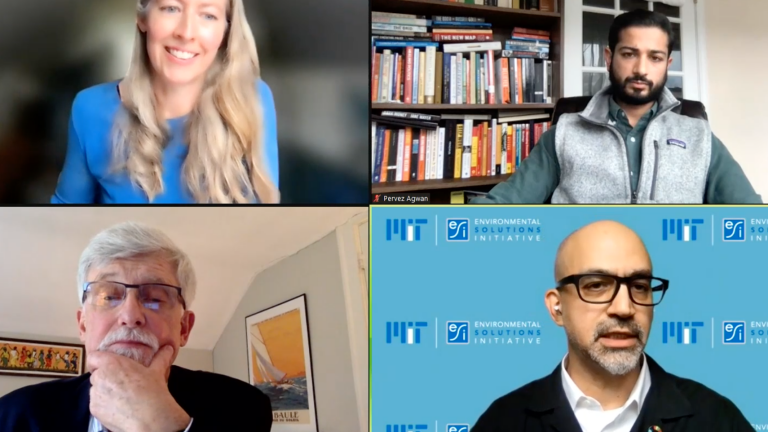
(41, 359)
(280, 364)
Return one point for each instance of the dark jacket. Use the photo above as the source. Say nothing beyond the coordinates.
(215, 402)
(673, 404)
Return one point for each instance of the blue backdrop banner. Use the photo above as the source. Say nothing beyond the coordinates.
(458, 316)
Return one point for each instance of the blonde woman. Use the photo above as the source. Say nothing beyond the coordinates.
(191, 122)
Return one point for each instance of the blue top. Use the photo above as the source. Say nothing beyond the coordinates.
(86, 176)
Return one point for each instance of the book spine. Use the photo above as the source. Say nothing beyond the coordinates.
(398, 27)
(458, 150)
(422, 152)
(466, 162)
(447, 77)
(402, 21)
(415, 77)
(503, 161)
(380, 134)
(491, 77)
(440, 152)
(494, 150)
(429, 76)
(461, 37)
(400, 153)
(375, 78)
(407, 154)
(422, 71)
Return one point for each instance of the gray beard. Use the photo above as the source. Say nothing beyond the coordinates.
(615, 361)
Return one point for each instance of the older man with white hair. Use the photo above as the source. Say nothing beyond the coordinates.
(135, 287)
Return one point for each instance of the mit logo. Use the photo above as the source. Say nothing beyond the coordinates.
(408, 332)
(407, 229)
(681, 229)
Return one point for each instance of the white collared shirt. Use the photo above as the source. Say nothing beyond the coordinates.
(591, 415)
(96, 426)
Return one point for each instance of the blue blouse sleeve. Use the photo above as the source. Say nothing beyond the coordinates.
(76, 183)
(270, 132)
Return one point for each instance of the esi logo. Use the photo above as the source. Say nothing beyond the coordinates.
(456, 428)
(407, 428)
(405, 229)
(457, 230)
(734, 229)
(683, 331)
(408, 333)
(680, 229)
(457, 332)
(734, 332)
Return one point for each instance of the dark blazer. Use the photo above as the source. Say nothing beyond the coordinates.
(215, 402)
(674, 404)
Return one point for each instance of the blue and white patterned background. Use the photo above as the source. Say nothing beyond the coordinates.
(500, 274)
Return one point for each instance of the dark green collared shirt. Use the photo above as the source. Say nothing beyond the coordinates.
(538, 176)
(633, 137)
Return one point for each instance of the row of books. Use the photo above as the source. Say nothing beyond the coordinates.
(461, 74)
(458, 146)
(540, 5)
(385, 25)
(415, 70)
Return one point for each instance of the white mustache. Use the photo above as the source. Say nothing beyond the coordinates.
(126, 334)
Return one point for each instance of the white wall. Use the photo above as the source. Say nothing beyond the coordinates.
(736, 35)
(315, 271)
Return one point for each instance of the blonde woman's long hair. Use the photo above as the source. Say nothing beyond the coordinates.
(225, 163)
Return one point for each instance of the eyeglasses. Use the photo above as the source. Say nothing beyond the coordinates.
(599, 288)
(109, 295)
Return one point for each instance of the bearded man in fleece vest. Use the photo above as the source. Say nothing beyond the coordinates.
(628, 146)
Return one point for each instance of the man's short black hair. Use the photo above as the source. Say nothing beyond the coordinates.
(640, 18)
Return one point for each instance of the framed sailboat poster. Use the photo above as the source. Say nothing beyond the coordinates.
(280, 364)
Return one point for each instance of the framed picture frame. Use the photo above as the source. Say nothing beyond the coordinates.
(24, 357)
(280, 364)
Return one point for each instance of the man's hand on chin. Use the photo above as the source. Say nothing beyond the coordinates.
(126, 396)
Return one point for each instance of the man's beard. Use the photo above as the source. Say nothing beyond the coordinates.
(615, 361)
(624, 93)
(123, 334)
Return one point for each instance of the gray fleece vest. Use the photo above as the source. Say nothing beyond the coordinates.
(594, 164)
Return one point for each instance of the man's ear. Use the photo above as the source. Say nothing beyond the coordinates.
(187, 322)
(81, 324)
(552, 301)
(608, 57)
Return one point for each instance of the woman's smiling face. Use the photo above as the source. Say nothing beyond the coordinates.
(183, 37)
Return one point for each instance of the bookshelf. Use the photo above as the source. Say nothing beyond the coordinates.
(503, 20)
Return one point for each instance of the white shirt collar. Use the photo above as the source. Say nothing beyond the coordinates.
(96, 426)
(637, 396)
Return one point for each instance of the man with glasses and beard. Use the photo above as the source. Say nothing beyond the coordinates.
(604, 299)
(135, 287)
(628, 146)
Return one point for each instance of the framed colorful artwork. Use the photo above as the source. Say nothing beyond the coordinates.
(41, 359)
(280, 364)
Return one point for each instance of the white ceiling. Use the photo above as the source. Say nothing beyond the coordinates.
(40, 249)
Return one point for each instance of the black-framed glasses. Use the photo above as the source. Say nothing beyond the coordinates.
(598, 288)
(153, 296)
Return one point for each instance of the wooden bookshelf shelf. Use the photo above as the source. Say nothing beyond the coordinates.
(490, 13)
(427, 185)
(462, 107)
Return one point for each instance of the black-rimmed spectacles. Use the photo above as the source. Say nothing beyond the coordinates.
(600, 288)
(153, 296)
